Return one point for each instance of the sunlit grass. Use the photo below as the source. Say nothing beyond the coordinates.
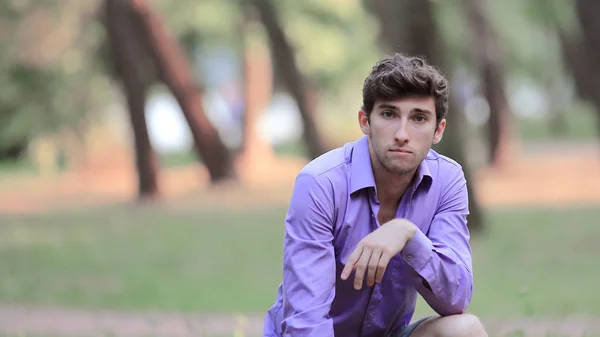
(529, 262)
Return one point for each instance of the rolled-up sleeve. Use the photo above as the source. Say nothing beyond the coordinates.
(442, 258)
(309, 259)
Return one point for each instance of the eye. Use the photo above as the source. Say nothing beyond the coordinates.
(387, 114)
(420, 118)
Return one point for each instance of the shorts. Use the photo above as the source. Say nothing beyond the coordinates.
(407, 330)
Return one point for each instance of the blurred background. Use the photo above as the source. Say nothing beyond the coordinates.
(148, 149)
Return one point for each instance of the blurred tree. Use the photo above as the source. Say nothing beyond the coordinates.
(582, 52)
(175, 71)
(418, 34)
(135, 72)
(489, 57)
(257, 78)
(51, 90)
(13, 151)
(295, 82)
(326, 36)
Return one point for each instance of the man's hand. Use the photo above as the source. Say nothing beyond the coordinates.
(374, 251)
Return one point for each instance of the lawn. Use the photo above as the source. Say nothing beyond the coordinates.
(539, 262)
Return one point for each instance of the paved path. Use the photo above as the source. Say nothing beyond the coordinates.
(19, 321)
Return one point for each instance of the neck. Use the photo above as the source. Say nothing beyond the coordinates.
(390, 186)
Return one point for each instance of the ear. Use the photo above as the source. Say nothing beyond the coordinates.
(439, 131)
(363, 122)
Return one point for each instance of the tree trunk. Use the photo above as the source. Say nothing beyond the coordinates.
(176, 72)
(258, 76)
(420, 36)
(294, 81)
(257, 154)
(489, 58)
(127, 55)
(582, 54)
(392, 35)
(14, 151)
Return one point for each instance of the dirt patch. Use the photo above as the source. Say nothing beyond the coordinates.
(556, 176)
(66, 323)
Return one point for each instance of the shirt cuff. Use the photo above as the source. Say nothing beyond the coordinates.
(417, 252)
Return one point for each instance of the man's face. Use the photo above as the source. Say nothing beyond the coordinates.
(401, 132)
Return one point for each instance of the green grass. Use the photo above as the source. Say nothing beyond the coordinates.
(212, 261)
(540, 262)
(530, 262)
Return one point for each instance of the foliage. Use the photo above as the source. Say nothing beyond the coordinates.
(55, 68)
(48, 76)
(333, 39)
(201, 24)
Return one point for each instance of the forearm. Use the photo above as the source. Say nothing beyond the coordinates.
(309, 288)
(308, 261)
(443, 278)
(442, 258)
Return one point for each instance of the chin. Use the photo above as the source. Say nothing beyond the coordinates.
(404, 171)
(400, 170)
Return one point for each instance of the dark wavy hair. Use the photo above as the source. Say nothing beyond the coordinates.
(403, 76)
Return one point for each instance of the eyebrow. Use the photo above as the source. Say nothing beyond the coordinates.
(395, 108)
(387, 106)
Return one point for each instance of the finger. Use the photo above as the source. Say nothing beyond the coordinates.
(372, 267)
(361, 267)
(382, 266)
(352, 259)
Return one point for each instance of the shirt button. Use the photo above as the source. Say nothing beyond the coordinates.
(408, 258)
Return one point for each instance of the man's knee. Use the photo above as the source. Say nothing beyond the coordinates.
(466, 325)
(463, 325)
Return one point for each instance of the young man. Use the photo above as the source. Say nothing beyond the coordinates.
(375, 222)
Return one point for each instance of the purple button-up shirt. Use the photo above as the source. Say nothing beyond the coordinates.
(333, 206)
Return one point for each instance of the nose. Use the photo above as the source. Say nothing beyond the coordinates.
(401, 135)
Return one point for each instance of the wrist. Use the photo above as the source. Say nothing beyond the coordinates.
(407, 228)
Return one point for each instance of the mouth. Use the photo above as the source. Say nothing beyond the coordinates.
(401, 151)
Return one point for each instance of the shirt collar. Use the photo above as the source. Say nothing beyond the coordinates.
(361, 171)
(423, 175)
